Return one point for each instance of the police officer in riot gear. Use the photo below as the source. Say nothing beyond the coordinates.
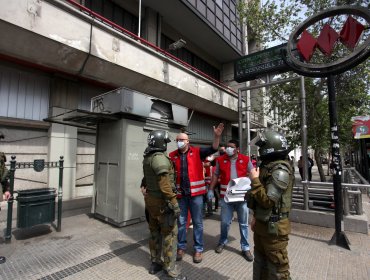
(4, 185)
(271, 198)
(162, 205)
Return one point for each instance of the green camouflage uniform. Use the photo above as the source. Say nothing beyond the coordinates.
(159, 177)
(271, 199)
(4, 175)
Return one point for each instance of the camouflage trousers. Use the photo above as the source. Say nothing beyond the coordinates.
(163, 238)
(270, 257)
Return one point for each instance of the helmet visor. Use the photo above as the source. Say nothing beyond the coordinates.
(258, 140)
(167, 137)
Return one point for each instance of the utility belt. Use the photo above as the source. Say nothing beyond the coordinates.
(275, 218)
(272, 227)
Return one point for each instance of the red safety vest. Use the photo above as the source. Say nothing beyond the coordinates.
(195, 171)
(225, 170)
(207, 174)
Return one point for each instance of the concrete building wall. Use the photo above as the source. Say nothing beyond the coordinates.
(69, 47)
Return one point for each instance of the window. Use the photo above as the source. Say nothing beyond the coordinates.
(191, 58)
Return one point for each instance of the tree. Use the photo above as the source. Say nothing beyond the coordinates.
(273, 21)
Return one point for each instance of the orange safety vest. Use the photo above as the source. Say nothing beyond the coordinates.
(225, 170)
(195, 171)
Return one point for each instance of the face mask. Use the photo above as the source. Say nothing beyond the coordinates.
(230, 151)
(181, 144)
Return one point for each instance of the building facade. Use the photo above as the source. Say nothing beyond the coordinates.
(56, 55)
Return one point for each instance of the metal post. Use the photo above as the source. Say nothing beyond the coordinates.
(359, 209)
(304, 129)
(60, 194)
(339, 238)
(248, 122)
(8, 234)
(306, 196)
(240, 111)
(139, 27)
(345, 201)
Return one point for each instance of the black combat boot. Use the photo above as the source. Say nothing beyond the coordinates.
(2, 259)
(155, 268)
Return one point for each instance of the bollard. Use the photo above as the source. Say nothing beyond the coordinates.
(60, 194)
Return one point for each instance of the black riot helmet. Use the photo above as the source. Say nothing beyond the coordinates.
(272, 144)
(157, 141)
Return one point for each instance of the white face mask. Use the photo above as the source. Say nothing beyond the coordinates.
(181, 144)
(230, 151)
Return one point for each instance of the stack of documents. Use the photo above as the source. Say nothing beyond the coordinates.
(236, 189)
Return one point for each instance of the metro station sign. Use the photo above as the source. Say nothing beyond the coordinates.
(259, 63)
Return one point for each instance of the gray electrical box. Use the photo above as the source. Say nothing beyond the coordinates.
(120, 146)
(123, 119)
(126, 101)
(119, 156)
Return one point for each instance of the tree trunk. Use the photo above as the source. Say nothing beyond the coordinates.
(319, 166)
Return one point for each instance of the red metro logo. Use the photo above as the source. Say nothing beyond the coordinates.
(330, 42)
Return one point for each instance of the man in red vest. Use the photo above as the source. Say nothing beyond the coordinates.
(230, 166)
(191, 187)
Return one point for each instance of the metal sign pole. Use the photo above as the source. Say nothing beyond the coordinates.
(339, 238)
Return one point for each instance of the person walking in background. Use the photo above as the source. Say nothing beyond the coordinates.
(292, 163)
(162, 205)
(300, 167)
(191, 188)
(231, 166)
(310, 165)
(4, 185)
(271, 198)
(221, 152)
(208, 171)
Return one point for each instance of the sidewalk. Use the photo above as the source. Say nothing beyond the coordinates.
(88, 248)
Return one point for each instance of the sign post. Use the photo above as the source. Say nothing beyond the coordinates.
(357, 51)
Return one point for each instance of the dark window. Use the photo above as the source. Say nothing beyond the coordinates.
(191, 58)
(115, 13)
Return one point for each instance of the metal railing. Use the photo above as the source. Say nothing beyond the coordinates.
(117, 28)
(320, 195)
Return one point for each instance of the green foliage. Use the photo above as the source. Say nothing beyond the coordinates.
(274, 21)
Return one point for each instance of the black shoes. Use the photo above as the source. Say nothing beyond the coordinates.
(180, 254)
(219, 248)
(155, 268)
(247, 255)
(2, 259)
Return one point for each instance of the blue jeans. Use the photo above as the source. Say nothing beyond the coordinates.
(195, 204)
(227, 210)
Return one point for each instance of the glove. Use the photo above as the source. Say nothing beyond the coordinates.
(210, 195)
(175, 208)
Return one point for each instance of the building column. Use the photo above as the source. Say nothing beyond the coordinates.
(63, 142)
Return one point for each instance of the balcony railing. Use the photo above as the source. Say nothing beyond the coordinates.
(124, 31)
